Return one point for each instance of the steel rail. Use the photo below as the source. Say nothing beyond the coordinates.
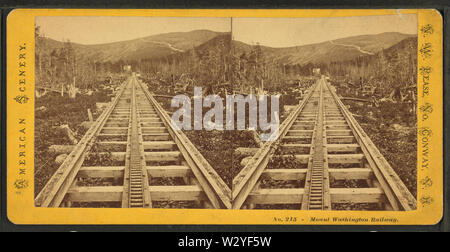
(56, 188)
(395, 190)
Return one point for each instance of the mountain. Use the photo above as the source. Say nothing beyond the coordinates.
(336, 50)
(154, 46)
(375, 43)
(166, 44)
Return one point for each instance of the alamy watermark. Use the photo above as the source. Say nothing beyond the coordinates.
(257, 113)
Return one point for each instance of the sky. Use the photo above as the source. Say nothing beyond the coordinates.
(274, 32)
(98, 30)
(285, 32)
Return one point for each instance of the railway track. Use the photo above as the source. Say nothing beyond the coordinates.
(323, 160)
(132, 157)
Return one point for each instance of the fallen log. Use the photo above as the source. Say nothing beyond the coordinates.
(257, 139)
(289, 108)
(356, 99)
(102, 105)
(369, 118)
(86, 124)
(245, 152)
(60, 149)
(60, 159)
(69, 133)
(245, 161)
(163, 96)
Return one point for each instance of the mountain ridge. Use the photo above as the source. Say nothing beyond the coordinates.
(324, 52)
(165, 44)
(152, 46)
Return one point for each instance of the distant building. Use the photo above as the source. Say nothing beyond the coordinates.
(127, 68)
(316, 71)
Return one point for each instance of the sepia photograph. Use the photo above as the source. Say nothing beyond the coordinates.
(307, 113)
(348, 89)
(103, 135)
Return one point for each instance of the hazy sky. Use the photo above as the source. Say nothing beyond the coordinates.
(275, 32)
(96, 30)
(284, 32)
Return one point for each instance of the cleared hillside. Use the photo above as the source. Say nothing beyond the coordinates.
(142, 48)
(337, 50)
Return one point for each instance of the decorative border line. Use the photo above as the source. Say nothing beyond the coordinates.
(20, 135)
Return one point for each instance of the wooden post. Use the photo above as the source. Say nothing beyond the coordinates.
(116, 181)
(383, 205)
(207, 205)
(91, 118)
(187, 179)
(202, 202)
(253, 205)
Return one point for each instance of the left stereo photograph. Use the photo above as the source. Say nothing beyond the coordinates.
(101, 138)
